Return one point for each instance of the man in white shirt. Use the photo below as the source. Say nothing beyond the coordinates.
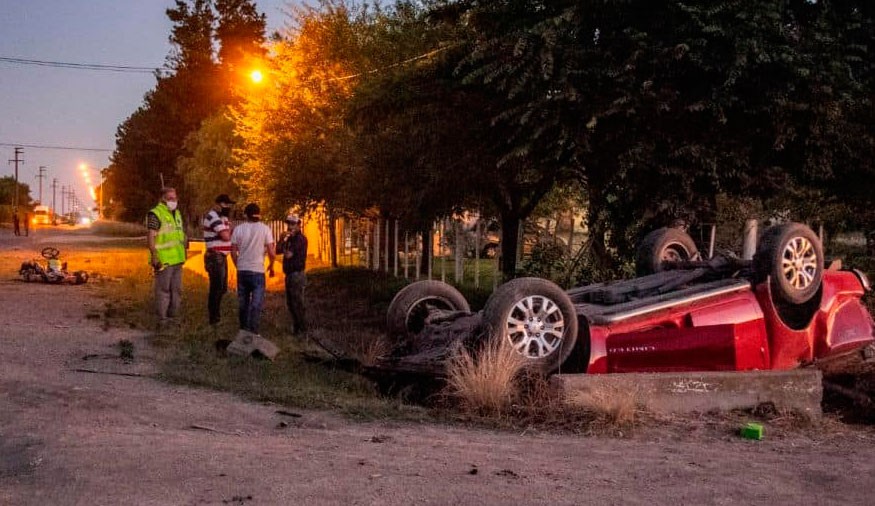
(250, 242)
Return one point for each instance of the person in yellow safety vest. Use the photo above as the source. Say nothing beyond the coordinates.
(167, 245)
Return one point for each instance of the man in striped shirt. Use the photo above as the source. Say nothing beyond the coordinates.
(217, 236)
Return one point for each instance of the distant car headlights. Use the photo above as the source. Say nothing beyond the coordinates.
(85, 221)
(864, 279)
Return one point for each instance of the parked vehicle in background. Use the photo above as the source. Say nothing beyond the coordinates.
(42, 215)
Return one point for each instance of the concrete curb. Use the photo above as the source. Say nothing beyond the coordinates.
(799, 390)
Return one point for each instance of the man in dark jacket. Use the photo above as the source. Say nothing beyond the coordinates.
(293, 248)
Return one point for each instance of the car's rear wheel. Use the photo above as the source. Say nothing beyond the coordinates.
(414, 303)
(536, 319)
(664, 245)
(791, 255)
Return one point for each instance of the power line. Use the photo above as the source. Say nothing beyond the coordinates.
(80, 66)
(42, 146)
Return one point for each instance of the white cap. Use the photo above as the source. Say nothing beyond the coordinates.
(293, 218)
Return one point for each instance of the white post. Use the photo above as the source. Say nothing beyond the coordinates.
(430, 252)
(460, 250)
(395, 254)
(749, 244)
(712, 241)
(377, 248)
(367, 240)
(496, 266)
(441, 240)
(477, 253)
(406, 256)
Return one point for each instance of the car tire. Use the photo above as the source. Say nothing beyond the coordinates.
(664, 244)
(81, 277)
(412, 304)
(791, 255)
(524, 314)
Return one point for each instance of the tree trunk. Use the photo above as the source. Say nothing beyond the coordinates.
(427, 246)
(510, 233)
(332, 237)
(596, 229)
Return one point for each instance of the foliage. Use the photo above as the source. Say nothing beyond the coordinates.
(210, 163)
(190, 89)
(7, 192)
(659, 106)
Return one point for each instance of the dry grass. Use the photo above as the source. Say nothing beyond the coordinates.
(367, 347)
(610, 405)
(485, 383)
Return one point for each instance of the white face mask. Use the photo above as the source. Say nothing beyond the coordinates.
(171, 205)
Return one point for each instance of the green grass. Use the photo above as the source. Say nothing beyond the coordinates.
(347, 305)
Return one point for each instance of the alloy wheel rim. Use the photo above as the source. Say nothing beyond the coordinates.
(535, 326)
(799, 263)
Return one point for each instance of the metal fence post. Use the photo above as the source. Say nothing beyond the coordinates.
(749, 246)
(395, 254)
(406, 256)
(477, 252)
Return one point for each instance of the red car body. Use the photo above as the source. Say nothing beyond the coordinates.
(724, 325)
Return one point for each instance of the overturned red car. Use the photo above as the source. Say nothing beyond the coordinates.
(785, 308)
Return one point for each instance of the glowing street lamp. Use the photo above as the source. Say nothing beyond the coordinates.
(256, 76)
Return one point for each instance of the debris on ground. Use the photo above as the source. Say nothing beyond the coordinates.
(248, 344)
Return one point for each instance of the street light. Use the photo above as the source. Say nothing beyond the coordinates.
(256, 76)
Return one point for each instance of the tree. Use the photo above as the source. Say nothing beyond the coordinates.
(191, 88)
(658, 106)
(210, 163)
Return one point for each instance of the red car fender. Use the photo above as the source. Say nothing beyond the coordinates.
(841, 323)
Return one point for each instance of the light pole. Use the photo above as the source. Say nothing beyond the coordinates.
(54, 187)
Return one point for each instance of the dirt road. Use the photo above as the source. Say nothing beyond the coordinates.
(70, 437)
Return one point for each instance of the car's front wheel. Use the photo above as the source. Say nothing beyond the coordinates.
(791, 255)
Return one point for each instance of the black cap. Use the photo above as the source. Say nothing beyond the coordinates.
(224, 199)
(252, 210)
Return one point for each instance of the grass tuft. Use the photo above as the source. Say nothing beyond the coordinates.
(485, 383)
(610, 405)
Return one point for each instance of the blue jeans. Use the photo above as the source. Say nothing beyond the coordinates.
(250, 291)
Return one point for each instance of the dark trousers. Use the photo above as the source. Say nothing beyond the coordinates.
(295, 283)
(216, 265)
(250, 292)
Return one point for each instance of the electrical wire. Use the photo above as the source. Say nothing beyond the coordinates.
(43, 146)
(80, 66)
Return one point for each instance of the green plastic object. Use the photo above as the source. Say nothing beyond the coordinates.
(752, 431)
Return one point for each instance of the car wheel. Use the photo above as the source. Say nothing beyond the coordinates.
(664, 245)
(81, 277)
(536, 319)
(792, 257)
(412, 305)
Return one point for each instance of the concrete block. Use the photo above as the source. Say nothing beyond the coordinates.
(799, 390)
(246, 344)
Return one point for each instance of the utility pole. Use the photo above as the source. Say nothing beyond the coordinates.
(41, 176)
(54, 188)
(16, 161)
(63, 197)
